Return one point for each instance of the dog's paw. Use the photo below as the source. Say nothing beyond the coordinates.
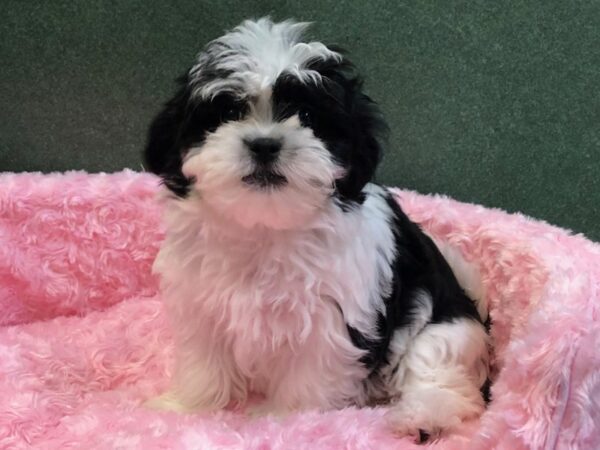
(405, 423)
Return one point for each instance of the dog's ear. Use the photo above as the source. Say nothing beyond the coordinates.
(163, 152)
(369, 131)
(364, 127)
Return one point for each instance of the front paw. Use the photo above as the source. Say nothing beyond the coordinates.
(405, 423)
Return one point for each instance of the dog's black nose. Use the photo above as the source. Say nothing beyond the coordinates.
(264, 149)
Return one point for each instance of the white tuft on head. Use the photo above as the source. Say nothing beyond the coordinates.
(254, 54)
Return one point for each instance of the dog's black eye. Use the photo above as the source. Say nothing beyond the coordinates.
(305, 117)
(232, 112)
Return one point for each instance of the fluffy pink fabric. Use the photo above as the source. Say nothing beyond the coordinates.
(83, 339)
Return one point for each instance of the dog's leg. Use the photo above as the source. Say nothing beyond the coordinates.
(437, 384)
(204, 378)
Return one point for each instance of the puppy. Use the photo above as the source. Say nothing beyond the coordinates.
(284, 270)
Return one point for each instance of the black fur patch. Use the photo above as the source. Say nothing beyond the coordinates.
(183, 123)
(342, 116)
(486, 391)
(418, 266)
(163, 153)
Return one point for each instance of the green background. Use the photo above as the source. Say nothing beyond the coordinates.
(493, 102)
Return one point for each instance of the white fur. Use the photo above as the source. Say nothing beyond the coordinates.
(258, 308)
(439, 377)
(257, 52)
(223, 160)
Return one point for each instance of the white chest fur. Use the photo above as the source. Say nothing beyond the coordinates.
(265, 295)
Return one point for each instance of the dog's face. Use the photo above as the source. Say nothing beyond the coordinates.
(266, 129)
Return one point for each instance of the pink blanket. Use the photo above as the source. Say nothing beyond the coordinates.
(83, 339)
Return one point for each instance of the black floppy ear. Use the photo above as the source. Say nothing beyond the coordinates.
(364, 127)
(163, 152)
(369, 131)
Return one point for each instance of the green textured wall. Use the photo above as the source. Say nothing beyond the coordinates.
(494, 102)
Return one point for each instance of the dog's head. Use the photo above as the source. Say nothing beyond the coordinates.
(267, 129)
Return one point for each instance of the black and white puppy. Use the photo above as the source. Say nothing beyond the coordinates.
(284, 270)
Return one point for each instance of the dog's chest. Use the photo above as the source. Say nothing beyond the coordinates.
(269, 293)
(267, 289)
(271, 290)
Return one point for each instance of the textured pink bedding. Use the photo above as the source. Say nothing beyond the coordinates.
(83, 339)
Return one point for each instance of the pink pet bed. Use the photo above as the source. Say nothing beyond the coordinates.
(83, 339)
